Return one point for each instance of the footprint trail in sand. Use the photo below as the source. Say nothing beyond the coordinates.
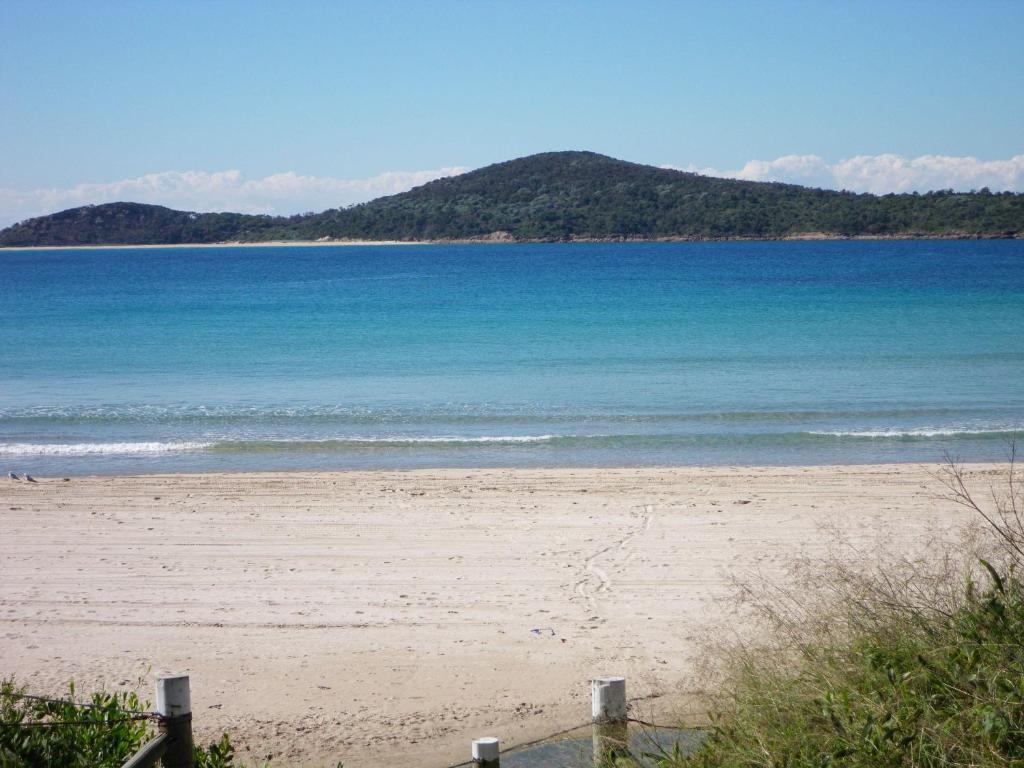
(595, 581)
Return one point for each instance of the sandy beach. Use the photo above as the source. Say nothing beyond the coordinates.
(230, 244)
(503, 238)
(345, 616)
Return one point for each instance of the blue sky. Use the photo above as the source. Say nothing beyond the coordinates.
(94, 93)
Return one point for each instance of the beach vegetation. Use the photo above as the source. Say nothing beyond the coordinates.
(101, 730)
(907, 663)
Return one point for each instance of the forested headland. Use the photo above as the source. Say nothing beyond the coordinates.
(557, 196)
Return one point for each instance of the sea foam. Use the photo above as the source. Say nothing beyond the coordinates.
(922, 432)
(98, 449)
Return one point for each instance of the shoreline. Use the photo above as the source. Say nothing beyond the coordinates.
(55, 477)
(349, 615)
(487, 240)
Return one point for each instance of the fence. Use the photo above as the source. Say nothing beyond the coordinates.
(173, 746)
(609, 723)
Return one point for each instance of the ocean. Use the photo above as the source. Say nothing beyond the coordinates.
(271, 358)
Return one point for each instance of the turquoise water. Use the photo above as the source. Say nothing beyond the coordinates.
(606, 354)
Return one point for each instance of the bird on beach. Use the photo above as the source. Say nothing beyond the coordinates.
(29, 478)
(13, 476)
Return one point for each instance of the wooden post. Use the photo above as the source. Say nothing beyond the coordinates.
(487, 752)
(174, 705)
(608, 711)
(608, 699)
(610, 742)
(149, 754)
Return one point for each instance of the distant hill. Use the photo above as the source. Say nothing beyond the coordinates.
(558, 196)
(132, 224)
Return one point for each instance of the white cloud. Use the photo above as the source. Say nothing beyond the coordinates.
(280, 193)
(882, 174)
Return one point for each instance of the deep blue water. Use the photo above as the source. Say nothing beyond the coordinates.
(339, 357)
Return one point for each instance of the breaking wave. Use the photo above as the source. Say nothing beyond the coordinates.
(98, 449)
(924, 432)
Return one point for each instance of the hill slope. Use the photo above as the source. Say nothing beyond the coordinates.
(558, 196)
(132, 224)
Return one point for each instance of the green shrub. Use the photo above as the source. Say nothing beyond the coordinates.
(96, 733)
(936, 691)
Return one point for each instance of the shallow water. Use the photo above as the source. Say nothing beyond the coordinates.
(535, 355)
(576, 749)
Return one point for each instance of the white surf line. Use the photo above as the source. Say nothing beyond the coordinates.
(595, 581)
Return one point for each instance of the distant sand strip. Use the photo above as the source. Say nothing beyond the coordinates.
(356, 615)
(510, 240)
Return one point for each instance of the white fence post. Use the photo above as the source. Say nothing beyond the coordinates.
(608, 699)
(486, 752)
(174, 705)
(608, 712)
